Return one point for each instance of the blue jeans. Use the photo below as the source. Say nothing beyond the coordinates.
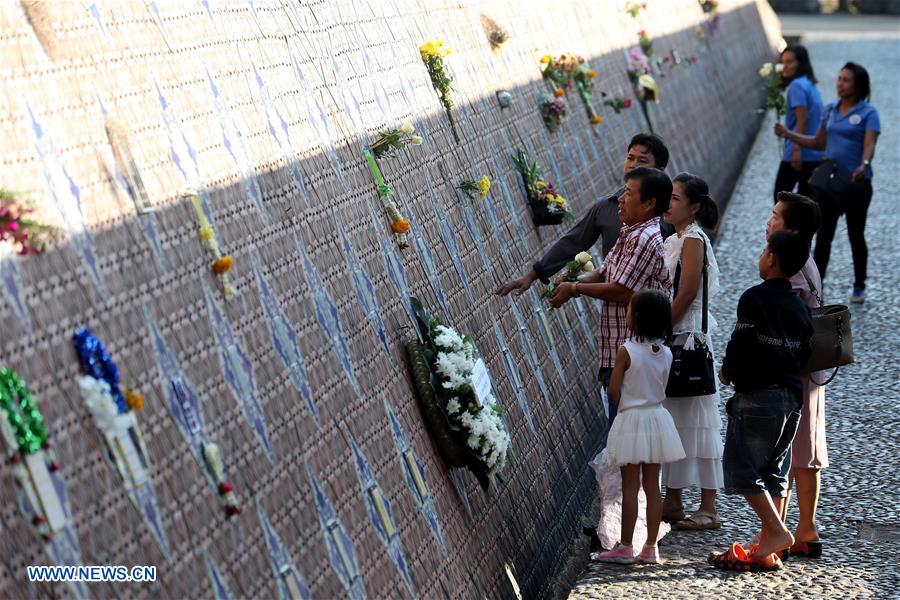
(761, 427)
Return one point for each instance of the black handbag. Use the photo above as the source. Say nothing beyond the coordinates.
(833, 182)
(831, 345)
(693, 372)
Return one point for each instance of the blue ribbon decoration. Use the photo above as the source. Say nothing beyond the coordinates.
(97, 363)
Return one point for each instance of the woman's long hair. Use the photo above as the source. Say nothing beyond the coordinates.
(804, 65)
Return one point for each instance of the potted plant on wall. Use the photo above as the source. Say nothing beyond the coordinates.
(547, 206)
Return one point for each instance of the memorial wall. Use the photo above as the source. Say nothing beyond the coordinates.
(206, 368)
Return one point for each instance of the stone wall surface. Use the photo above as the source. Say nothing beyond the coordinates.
(113, 113)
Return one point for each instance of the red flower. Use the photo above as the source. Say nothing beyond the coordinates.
(225, 488)
(627, 103)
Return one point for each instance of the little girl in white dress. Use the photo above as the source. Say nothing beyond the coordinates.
(643, 435)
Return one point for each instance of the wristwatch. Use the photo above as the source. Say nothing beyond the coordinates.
(867, 162)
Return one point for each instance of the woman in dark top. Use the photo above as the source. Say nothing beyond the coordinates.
(804, 113)
(848, 134)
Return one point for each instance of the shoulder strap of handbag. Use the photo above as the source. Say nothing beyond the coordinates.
(705, 325)
(828, 111)
(812, 288)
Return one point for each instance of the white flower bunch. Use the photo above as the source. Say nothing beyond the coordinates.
(395, 139)
(448, 339)
(767, 68)
(584, 259)
(582, 263)
(98, 398)
(484, 430)
(456, 358)
(488, 437)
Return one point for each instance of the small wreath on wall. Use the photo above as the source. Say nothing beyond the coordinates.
(454, 392)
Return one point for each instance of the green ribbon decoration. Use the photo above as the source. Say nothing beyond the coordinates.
(21, 411)
(384, 189)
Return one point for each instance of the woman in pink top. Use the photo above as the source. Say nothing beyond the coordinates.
(798, 214)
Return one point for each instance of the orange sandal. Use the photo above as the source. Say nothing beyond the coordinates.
(807, 549)
(736, 558)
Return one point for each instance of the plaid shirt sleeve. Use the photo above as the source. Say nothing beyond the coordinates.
(640, 262)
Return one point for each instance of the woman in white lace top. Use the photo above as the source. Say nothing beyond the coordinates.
(697, 418)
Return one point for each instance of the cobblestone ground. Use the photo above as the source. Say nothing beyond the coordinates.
(859, 518)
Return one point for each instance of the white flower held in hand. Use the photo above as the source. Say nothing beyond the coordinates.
(765, 70)
(588, 267)
(416, 140)
(407, 128)
(583, 258)
(779, 68)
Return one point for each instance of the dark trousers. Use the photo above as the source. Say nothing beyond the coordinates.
(788, 177)
(856, 207)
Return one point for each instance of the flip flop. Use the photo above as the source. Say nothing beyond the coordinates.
(673, 517)
(736, 558)
(699, 521)
(806, 549)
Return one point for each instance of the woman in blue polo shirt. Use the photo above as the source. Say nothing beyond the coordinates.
(804, 113)
(848, 134)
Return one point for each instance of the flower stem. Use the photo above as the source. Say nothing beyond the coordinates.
(449, 112)
(383, 188)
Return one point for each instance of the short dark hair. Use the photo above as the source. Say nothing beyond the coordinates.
(651, 315)
(655, 185)
(655, 146)
(697, 192)
(804, 64)
(861, 84)
(800, 213)
(790, 249)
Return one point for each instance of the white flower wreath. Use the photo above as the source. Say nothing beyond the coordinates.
(484, 431)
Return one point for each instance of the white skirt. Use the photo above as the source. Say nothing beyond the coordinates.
(644, 435)
(699, 424)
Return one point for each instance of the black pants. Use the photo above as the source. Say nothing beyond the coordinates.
(857, 209)
(787, 178)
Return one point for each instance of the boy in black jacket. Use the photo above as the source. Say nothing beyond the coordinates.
(768, 347)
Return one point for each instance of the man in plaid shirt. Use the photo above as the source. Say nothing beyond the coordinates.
(634, 263)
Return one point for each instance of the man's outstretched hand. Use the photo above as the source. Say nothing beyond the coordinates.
(519, 286)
